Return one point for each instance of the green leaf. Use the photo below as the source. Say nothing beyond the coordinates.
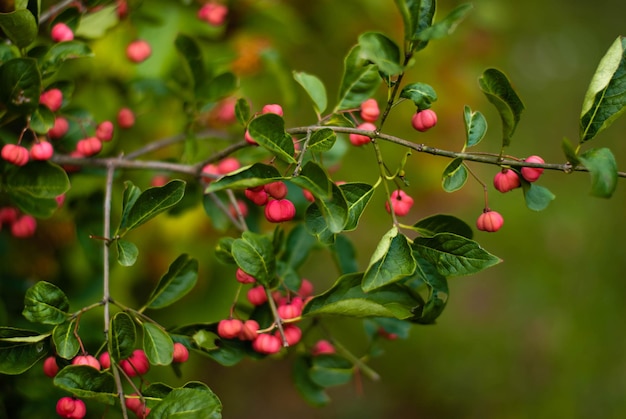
(357, 196)
(87, 382)
(188, 403)
(316, 224)
(218, 87)
(247, 177)
(37, 207)
(359, 82)
(334, 209)
(254, 254)
(344, 255)
(242, 111)
(314, 178)
(62, 52)
(298, 246)
(322, 140)
(454, 255)
(475, 126)
(347, 298)
(313, 393)
(42, 120)
(437, 292)
(392, 261)
(330, 370)
(603, 168)
(446, 26)
(422, 94)
(315, 89)
(442, 223)
(537, 197)
(570, 152)
(382, 51)
(20, 26)
(39, 179)
(269, 131)
(454, 175)
(152, 202)
(179, 279)
(127, 252)
(45, 303)
(65, 340)
(20, 349)
(157, 344)
(131, 194)
(190, 50)
(417, 16)
(605, 99)
(122, 335)
(20, 85)
(498, 90)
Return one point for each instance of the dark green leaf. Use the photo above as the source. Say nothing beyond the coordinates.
(223, 250)
(20, 85)
(334, 209)
(218, 87)
(570, 152)
(315, 88)
(537, 197)
(21, 349)
(87, 382)
(188, 403)
(344, 255)
(39, 179)
(603, 168)
(422, 94)
(20, 26)
(190, 50)
(498, 90)
(437, 292)
(446, 26)
(316, 224)
(314, 178)
(298, 246)
(357, 196)
(605, 99)
(417, 16)
(242, 111)
(322, 140)
(246, 177)
(45, 303)
(392, 261)
(382, 51)
(8, 52)
(179, 279)
(442, 223)
(475, 126)
(152, 202)
(122, 335)
(37, 207)
(311, 392)
(65, 340)
(157, 344)
(61, 52)
(127, 252)
(42, 120)
(454, 255)
(254, 254)
(131, 194)
(454, 175)
(269, 131)
(330, 370)
(359, 82)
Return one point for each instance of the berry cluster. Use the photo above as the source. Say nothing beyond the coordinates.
(22, 226)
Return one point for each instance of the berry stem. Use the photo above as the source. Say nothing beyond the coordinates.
(277, 319)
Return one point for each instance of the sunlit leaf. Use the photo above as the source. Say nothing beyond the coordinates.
(422, 94)
(475, 126)
(382, 51)
(157, 344)
(391, 261)
(315, 89)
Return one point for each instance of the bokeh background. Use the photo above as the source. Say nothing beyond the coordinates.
(538, 336)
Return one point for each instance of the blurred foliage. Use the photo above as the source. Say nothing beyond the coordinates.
(535, 337)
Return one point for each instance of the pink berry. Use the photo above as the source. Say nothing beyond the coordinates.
(229, 328)
(401, 203)
(136, 364)
(359, 139)
(61, 33)
(71, 408)
(50, 367)
(15, 154)
(8, 215)
(105, 360)
(306, 288)
(531, 174)
(290, 310)
(60, 128)
(279, 210)
(125, 118)
(424, 120)
(322, 347)
(506, 180)
(133, 402)
(259, 198)
(104, 131)
(369, 110)
(212, 170)
(277, 190)
(385, 334)
(86, 360)
(212, 13)
(89, 146)
(24, 227)
(267, 344)
(138, 51)
(308, 195)
(225, 111)
(243, 209)
(53, 99)
(42, 150)
(249, 138)
(293, 334)
(181, 353)
(273, 108)
(490, 221)
(257, 295)
(244, 278)
(60, 200)
(228, 165)
(249, 330)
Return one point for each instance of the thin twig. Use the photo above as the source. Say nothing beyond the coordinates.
(54, 9)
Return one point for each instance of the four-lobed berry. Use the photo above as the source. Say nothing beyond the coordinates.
(61, 33)
(71, 408)
(88, 360)
(272, 108)
(42, 150)
(138, 51)
(293, 334)
(249, 330)
(181, 353)
(369, 110)
(257, 196)
(52, 99)
(15, 154)
(531, 174)
(229, 328)
(400, 202)
(490, 221)
(257, 295)
(213, 13)
(360, 139)
(277, 190)
(280, 210)
(50, 366)
(125, 118)
(322, 347)
(506, 180)
(244, 277)
(424, 120)
(267, 344)
(59, 129)
(136, 364)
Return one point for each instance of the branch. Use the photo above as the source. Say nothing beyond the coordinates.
(53, 10)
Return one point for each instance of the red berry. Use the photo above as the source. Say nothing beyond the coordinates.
(133, 403)
(359, 139)
(279, 210)
(125, 118)
(71, 408)
(104, 131)
(50, 367)
(210, 169)
(257, 295)
(293, 334)
(229, 164)
(60, 200)
(424, 120)
(249, 330)
(60, 128)
(249, 138)
(308, 195)
(229, 328)
(277, 190)
(159, 180)
(86, 360)
(401, 203)
(369, 110)
(490, 221)
(15, 154)
(225, 111)
(385, 334)
(8, 215)
(506, 180)
(273, 108)
(306, 288)
(213, 13)
(181, 353)
(61, 32)
(24, 227)
(89, 146)
(322, 347)
(244, 278)
(122, 9)
(138, 51)
(290, 310)
(243, 209)
(259, 198)
(53, 99)
(42, 150)
(136, 364)
(105, 360)
(531, 174)
(267, 344)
